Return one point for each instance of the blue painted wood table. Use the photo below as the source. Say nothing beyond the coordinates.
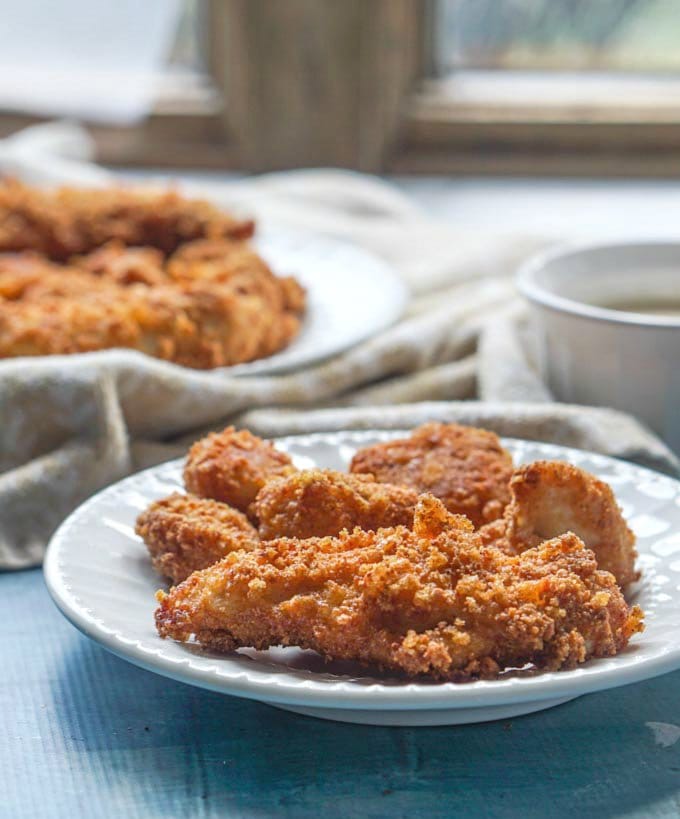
(85, 734)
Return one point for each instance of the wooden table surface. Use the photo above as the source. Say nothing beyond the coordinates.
(85, 734)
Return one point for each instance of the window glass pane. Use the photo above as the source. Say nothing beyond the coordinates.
(189, 50)
(589, 35)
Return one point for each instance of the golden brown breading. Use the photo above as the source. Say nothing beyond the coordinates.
(232, 466)
(197, 325)
(28, 276)
(213, 260)
(214, 303)
(124, 265)
(316, 502)
(184, 533)
(68, 221)
(432, 600)
(550, 498)
(20, 272)
(206, 325)
(465, 467)
(48, 283)
(54, 326)
(237, 264)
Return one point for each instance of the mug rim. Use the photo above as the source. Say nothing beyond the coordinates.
(529, 286)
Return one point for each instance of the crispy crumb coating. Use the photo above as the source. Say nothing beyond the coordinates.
(22, 273)
(200, 326)
(433, 600)
(184, 533)
(235, 263)
(171, 277)
(465, 467)
(214, 260)
(316, 502)
(68, 221)
(116, 263)
(553, 497)
(232, 466)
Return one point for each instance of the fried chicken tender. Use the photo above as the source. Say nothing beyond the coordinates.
(184, 533)
(234, 263)
(68, 221)
(198, 325)
(232, 466)
(89, 270)
(465, 467)
(550, 498)
(432, 600)
(316, 502)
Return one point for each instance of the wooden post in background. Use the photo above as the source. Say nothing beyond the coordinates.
(316, 82)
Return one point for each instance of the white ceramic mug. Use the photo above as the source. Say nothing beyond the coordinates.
(593, 354)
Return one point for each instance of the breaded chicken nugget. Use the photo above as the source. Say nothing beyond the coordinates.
(68, 221)
(550, 498)
(86, 270)
(432, 600)
(315, 503)
(465, 467)
(232, 466)
(184, 533)
(51, 325)
(196, 325)
(237, 265)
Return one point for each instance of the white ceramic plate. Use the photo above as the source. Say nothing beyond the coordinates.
(351, 295)
(99, 575)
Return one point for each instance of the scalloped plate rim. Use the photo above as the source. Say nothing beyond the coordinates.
(344, 694)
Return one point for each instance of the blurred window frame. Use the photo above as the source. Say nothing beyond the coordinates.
(571, 123)
(186, 127)
(351, 83)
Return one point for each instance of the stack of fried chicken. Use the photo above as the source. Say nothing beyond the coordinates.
(84, 270)
(432, 556)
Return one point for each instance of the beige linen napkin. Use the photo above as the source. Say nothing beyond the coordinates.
(73, 424)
